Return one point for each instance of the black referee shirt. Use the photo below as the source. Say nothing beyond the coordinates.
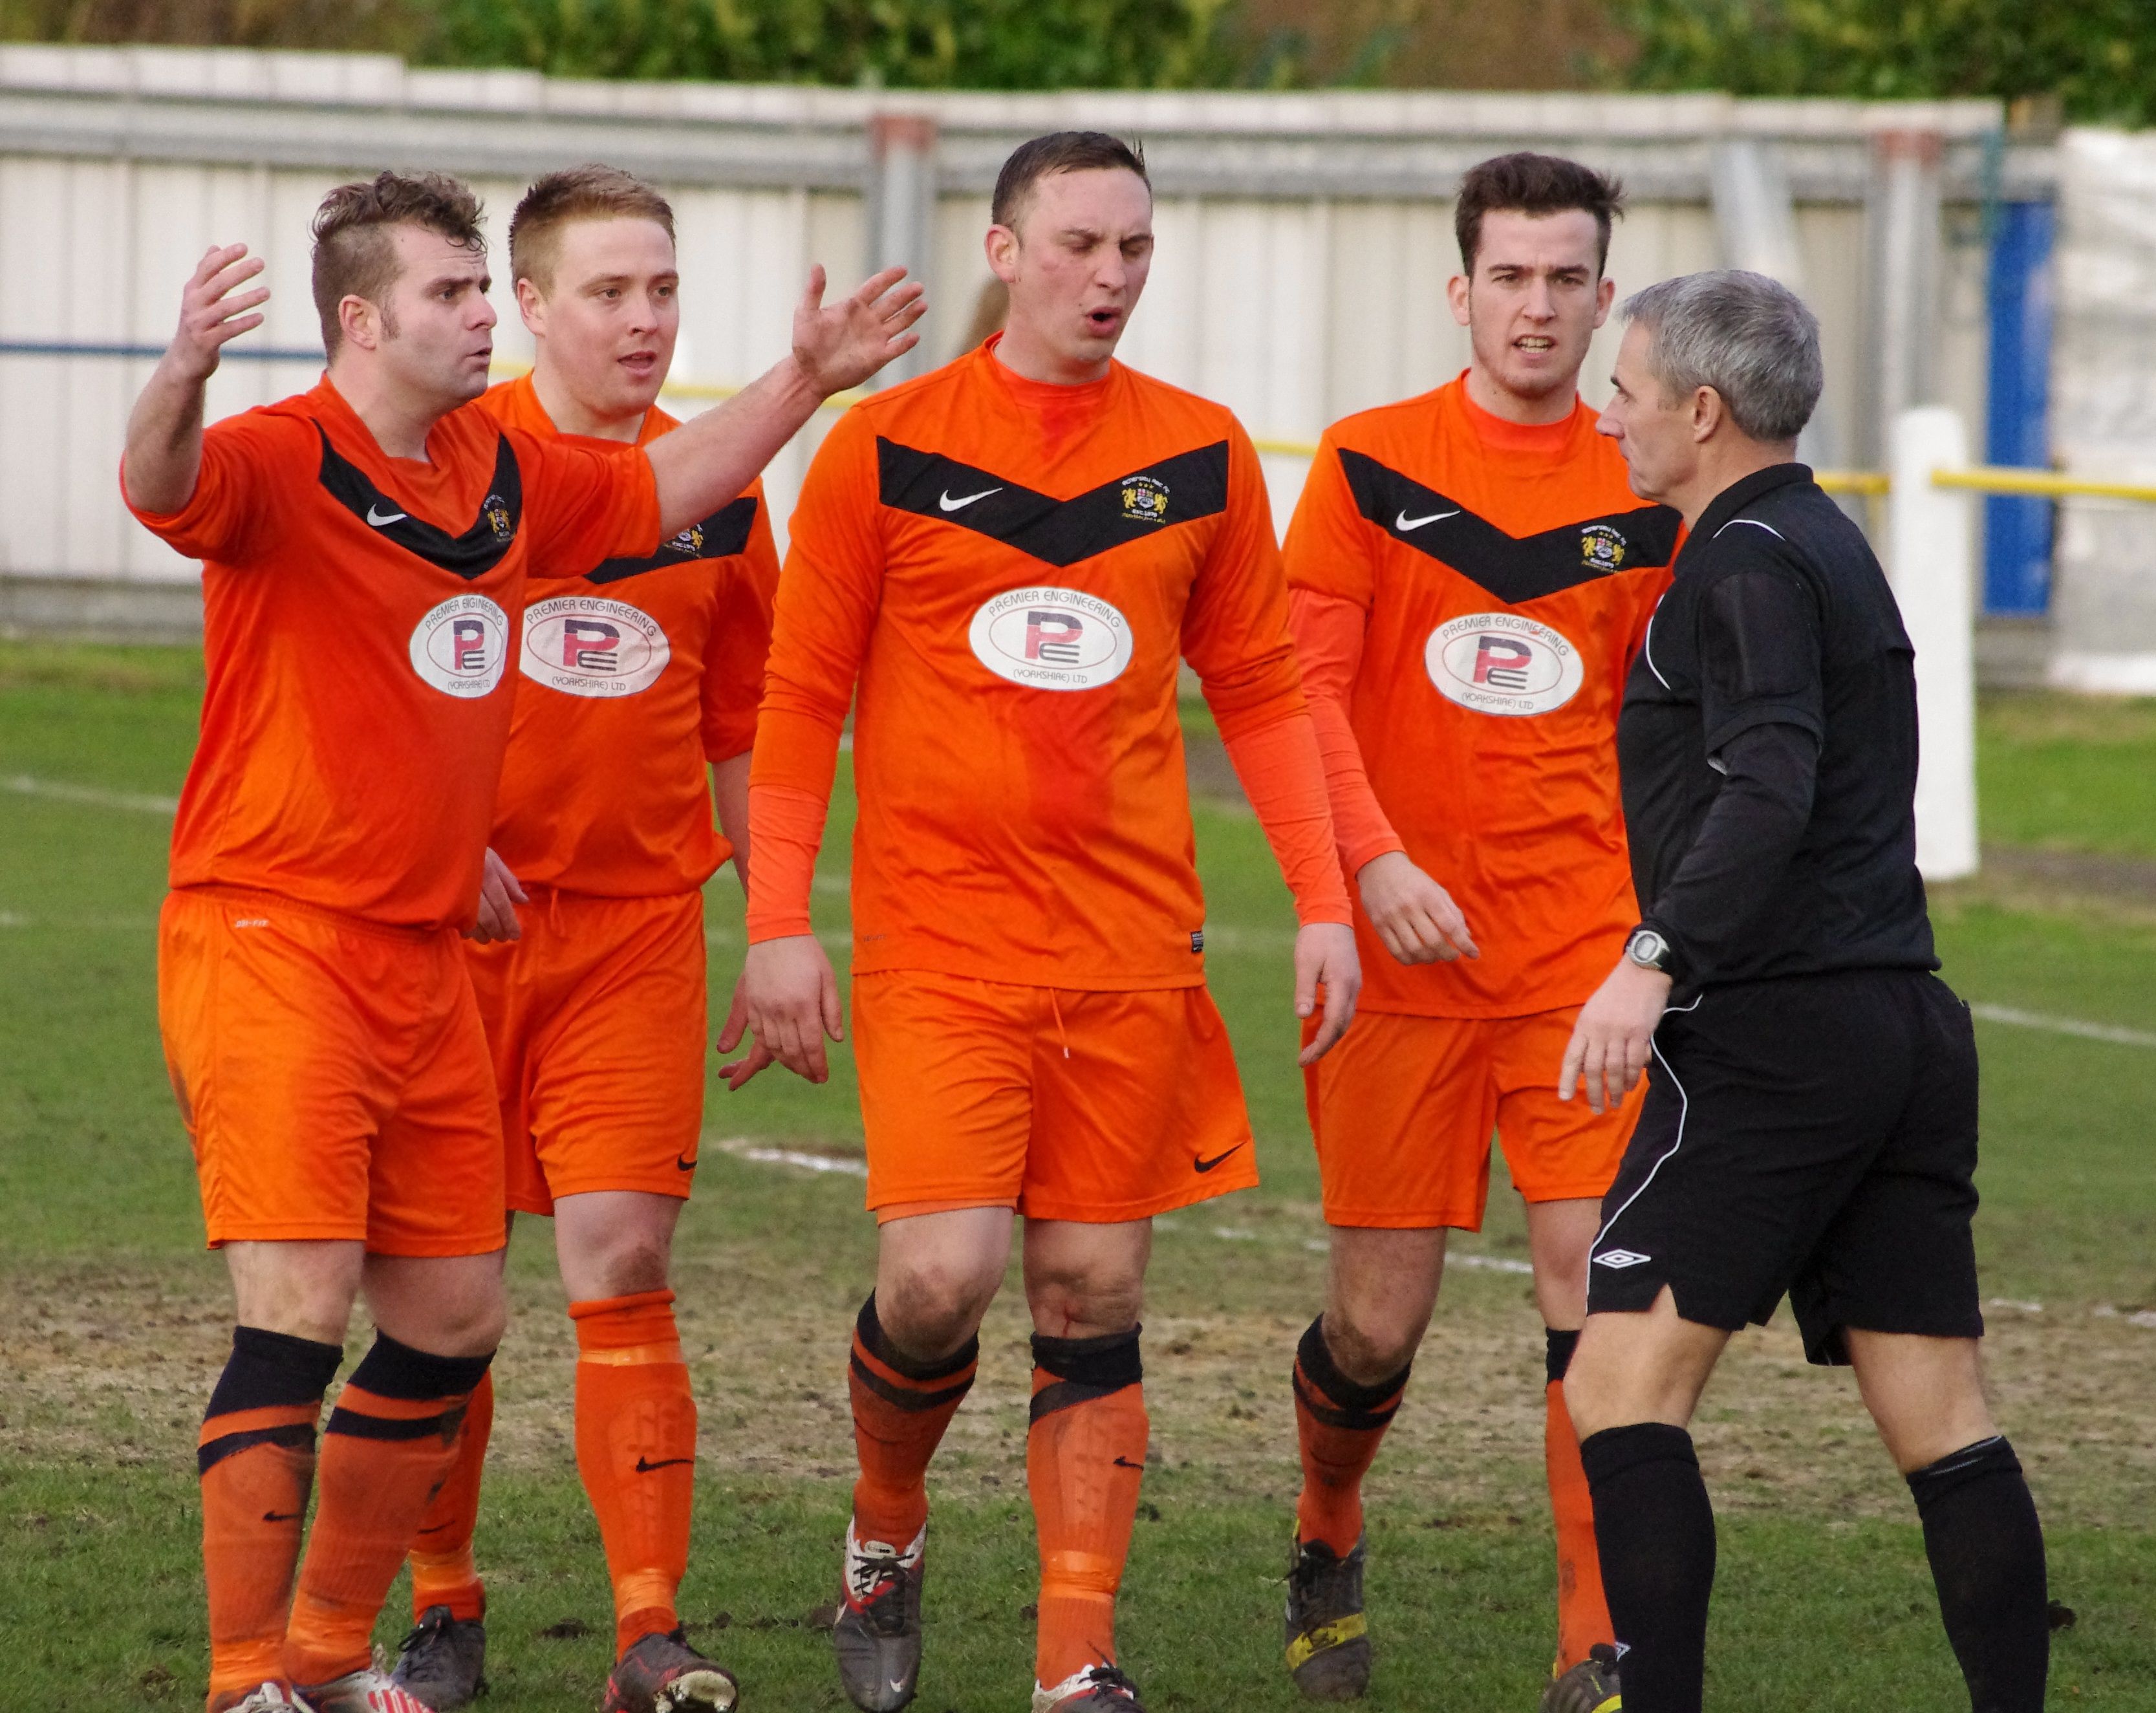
(1768, 746)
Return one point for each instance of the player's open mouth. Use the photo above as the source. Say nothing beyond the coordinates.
(641, 362)
(1536, 343)
(1105, 321)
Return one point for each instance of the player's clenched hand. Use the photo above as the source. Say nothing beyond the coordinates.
(213, 311)
(843, 344)
(1610, 1038)
(499, 896)
(1325, 956)
(791, 999)
(1414, 915)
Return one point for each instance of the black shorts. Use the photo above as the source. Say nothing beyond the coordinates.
(1815, 1135)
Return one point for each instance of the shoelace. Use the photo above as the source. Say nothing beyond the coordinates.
(1107, 1677)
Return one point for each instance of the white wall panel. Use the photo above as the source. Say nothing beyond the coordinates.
(1292, 308)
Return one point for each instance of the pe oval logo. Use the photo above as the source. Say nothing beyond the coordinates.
(1499, 663)
(1051, 639)
(462, 646)
(585, 647)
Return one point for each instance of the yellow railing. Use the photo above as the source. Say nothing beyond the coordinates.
(1984, 478)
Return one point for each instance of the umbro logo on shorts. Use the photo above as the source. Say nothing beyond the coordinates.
(1621, 1258)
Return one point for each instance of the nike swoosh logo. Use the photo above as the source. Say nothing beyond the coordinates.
(663, 1463)
(1198, 1165)
(682, 1165)
(281, 1516)
(950, 504)
(435, 1529)
(898, 1686)
(1404, 523)
(393, 517)
(1124, 1463)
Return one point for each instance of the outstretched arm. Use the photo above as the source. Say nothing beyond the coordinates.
(165, 430)
(705, 463)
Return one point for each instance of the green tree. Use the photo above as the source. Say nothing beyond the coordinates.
(996, 44)
(2098, 56)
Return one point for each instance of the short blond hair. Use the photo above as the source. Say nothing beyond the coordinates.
(560, 199)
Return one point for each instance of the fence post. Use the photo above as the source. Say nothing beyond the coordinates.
(901, 210)
(1932, 539)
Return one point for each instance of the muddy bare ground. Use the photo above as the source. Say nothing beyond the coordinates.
(106, 1364)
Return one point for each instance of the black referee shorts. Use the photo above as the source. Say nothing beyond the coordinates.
(1815, 1135)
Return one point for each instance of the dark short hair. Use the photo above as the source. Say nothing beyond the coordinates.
(560, 199)
(1060, 151)
(355, 256)
(1528, 183)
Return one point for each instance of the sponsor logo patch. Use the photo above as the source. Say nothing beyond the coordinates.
(1051, 639)
(1499, 663)
(582, 646)
(1620, 1259)
(462, 646)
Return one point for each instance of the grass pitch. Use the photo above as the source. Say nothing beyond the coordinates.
(117, 1322)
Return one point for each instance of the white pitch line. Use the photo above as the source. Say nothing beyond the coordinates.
(141, 802)
(2063, 1025)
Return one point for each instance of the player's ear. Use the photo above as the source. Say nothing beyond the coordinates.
(1605, 294)
(532, 305)
(361, 320)
(1709, 413)
(1456, 290)
(1001, 247)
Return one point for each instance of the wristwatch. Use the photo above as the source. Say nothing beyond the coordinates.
(1649, 949)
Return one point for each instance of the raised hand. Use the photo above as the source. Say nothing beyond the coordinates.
(214, 311)
(843, 344)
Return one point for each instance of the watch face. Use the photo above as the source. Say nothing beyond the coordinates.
(1648, 949)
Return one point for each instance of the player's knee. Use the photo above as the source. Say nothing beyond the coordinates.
(1367, 1347)
(929, 1306)
(1083, 1303)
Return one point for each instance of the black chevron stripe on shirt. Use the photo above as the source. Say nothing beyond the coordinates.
(1177, 490)
(1513, 568)
(469, 556)
(721, 535)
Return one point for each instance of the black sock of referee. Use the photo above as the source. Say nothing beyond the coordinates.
(1987, 1553)
(1655, 1529)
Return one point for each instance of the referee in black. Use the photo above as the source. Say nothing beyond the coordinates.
(1811, 1122)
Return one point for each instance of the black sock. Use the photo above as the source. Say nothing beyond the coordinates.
(1655, 1531)
(1557, 1349)
(1987, 1553)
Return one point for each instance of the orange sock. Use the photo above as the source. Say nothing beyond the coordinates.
(389, 1444)
(257, 1459)
(901, 1409)
(1583, 1615)
(443, 1573)
(1339, 1425)
(636, 1450)
(1085, 1456)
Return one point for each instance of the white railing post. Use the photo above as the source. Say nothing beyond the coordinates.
(1931, 563)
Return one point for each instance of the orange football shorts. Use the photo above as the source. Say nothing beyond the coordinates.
(597, 1020)
(1403, 1108)
(1099, 1107)
(332, 1074)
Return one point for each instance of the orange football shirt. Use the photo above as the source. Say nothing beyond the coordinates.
(359, 646)
(1011, 570)
(634, 675)
(1470, 594)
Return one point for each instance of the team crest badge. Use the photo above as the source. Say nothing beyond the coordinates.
(690, 543)
(1145, 499)
(1602, 548)
(495, 511)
